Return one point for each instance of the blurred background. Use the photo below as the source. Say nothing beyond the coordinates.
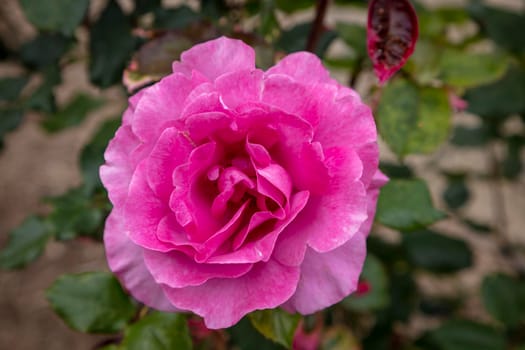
(475, 176)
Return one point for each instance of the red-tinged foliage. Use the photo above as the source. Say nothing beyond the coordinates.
(392, 32)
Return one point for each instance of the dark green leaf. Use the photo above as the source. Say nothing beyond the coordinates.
(10, 119)
(91, 302)
(412, 119)
(92, 156)
(406, 205)
(504, 299)
(55, 15)
(46, 49)
(501, 98)
(276, 324)
(462, 69)
(26, 243)
(294, 39)
(178, 18)
(10, 88)
(43, 98)
(246, 337)
(111, 46)
(505, 28)
(396, 171)
(158, 331)
(145, 6)
(436, 252)
(354, 36)
(377, 297)
(439, 306)
(465, 335)
(465, 136)
(478, 227)
(456, 194)
(512, 165)
(74, 214)
(292, 6)
(214, 9)
(72, 114)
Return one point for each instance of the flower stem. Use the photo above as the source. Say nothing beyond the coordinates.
(317, 27)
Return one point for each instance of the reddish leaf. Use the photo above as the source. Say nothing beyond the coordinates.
(392, 32)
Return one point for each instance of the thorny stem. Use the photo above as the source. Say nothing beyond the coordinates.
(317, 28)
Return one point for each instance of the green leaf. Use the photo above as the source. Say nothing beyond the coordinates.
(461, 69)
(465, 335)
(276, 324)
(412, 119)
(423, 65)
(158, 331)
(339, 337)
(10, 119)
(465, 136)
(512, 167)
(396, 170)
(44, 50)
(26, 243)
(246, 337)
(456, 194)
(436, 252)
(111, 46)
(92, 156)
(10, 88)
(72, 114)
(377, 297)
(75, 214)
(55, 15)
(91, 302)
(294, 39)
(505, 28)
(354, 36)
(504, 299)
(501, 98)
(292, 6)
(43, 98)
(406, 205)
(145, 6)
(177, 18)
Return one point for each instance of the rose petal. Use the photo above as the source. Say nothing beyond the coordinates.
(126, 261)
(330, 220)
(327, 278)
(303, 67)
(161, 106)
(216, 57)
(176, 270)
(116, 173)
(223, 302)
(171, 150)
(263, 248)
(239, 87)
(143, 212)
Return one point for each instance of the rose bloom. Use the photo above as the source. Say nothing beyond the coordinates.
(236, 189)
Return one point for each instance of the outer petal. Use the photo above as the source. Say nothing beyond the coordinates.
(303, 67)
(144, 211)
(216, 57)
(330, 220)
(223, 302)
(161, 105)
(326, 278)
(237, 88)
(117, 171)
(126, 261)
(177, 270)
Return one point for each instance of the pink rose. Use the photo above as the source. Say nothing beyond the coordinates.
(235, 189)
